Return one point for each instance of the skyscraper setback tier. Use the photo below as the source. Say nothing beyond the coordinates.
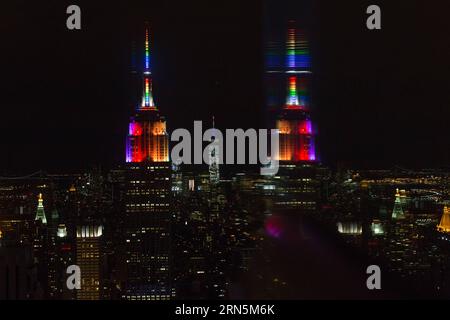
(147, 139)
(296, 136)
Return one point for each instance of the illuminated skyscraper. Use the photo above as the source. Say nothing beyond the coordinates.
(296, 186)
(40, 212)
(147, 199)
(294, 119)
(397, 212)
(89, 261)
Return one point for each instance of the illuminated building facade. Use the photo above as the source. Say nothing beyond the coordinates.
(351, 228)
(63, 257)
(147, 200)
(444, 224)
(89, 260)
(296, 185)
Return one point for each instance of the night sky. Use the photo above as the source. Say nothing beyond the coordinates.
(381, 97)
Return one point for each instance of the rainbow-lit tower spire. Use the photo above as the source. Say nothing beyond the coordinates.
(297, 68)
(294, 119)
(147, 96)
(147, 138)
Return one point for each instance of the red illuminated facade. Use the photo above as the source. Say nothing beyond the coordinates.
(296, 137)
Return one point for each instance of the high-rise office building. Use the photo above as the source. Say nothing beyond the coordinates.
(147, 199)
(88, 245)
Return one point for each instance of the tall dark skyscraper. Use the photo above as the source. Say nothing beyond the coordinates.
(147, 199)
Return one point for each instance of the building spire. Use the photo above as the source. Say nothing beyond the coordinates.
(297, 51)
(40, 213)
(297, 65)
(292, 99)
(147, 96)
(214, 160)
(398, 213)
(291, 48)
(147, 50)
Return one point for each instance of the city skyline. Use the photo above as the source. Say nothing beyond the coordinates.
(350, 201)
(88, 119)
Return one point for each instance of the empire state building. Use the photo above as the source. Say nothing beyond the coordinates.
(147, 198)
(296, 183)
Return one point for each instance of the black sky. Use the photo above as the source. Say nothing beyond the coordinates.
(381, 97)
